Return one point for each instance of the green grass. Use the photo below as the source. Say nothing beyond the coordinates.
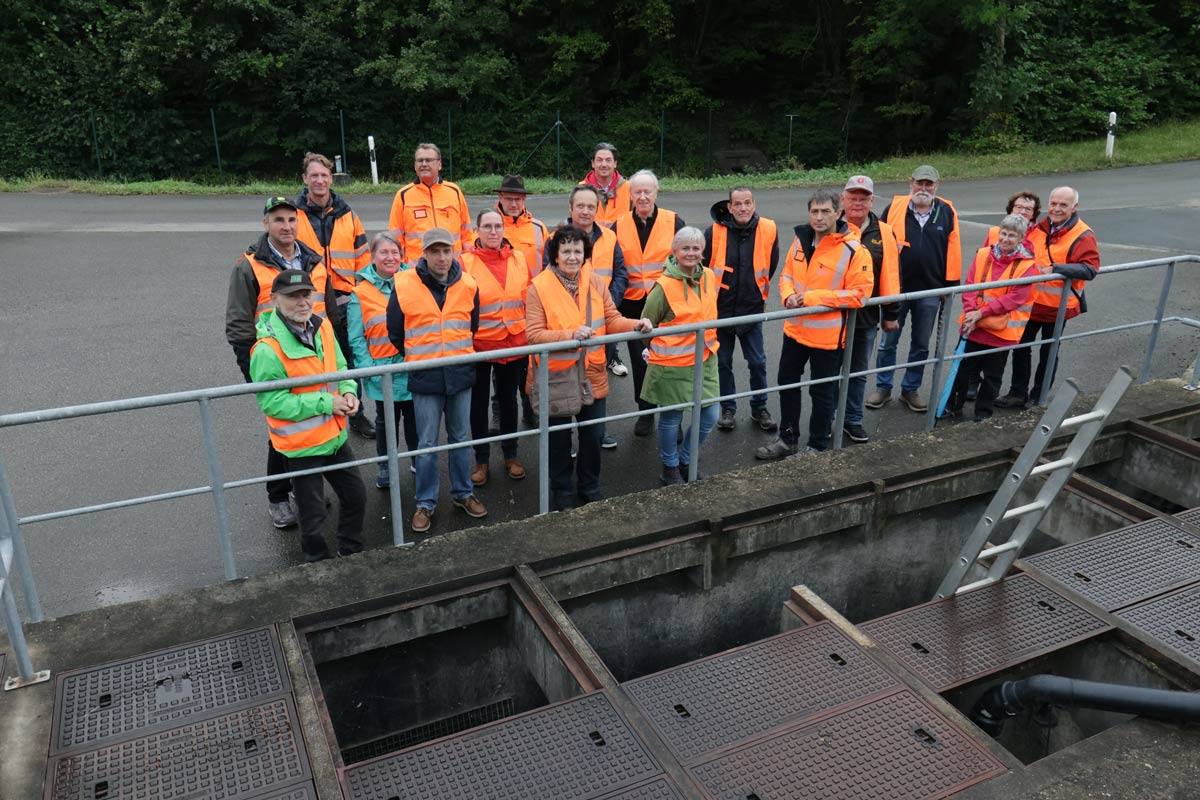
(1176, 141)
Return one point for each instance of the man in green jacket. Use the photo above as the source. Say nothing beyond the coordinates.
(307, 424)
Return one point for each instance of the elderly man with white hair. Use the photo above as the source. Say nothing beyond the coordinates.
(645, 235)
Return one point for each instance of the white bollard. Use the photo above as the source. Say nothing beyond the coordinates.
(1112, 134)
(374, 166)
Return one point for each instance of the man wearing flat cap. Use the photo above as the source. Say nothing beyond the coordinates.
(307, 424)
(525, 232)
(250, 295)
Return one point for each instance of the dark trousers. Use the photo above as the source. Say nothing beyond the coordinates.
(990, 366)
(342, 334)
(637, 364)
(1023, 360)
(404, 416)
(587, 461)
(310, 504)
(825, 364)
(751, 338)
(509, 378)
(277, 464)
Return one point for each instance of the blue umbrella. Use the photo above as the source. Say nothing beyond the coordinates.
(951, 375)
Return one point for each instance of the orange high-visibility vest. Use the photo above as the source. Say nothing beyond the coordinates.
(1039, 244)
(897, 218)
(1057, 252)
(603, 250)
(416, 208)
(527, 236)
(566, 313)
(609, 211)
(374, 320)
(265, 275)
(1016, 319)
(839, 276)
(432, 332)
(679, 349)
(292, 436)
(764, 237)
(644, 267)
(501, 308)
(342, 259)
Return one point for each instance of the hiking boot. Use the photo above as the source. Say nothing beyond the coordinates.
(471, 505)
(762, 418)
(727, 420)
(644, 425)
(479, 474)
(683, 472)
(618, 368)
(877, 398)
(608, 442)
(914, 402)
(383, 479)
(670, 476)
(282, 515)
(855, 432)
(362, 426)
(514, 469)
(775, 450)
(1010, 400)
(422, 519)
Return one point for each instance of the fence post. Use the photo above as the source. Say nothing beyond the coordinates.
(217, 481)
(393, 460)
(939, 365)
(557, 144)
(839, 418)
(1157, 326)
(16, 639)
(345, 155)
(662, 138)
(708, 172)
(12, 530)
(212, 115)
(374, 166)
(450, 142)
(1112, 135)
(543, 379)
(791, 119)
(96, 143)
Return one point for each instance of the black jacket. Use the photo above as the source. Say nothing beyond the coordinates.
(743, 295)
(437, 380)
(923, 261)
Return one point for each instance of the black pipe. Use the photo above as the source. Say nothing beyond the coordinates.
(1006, 699)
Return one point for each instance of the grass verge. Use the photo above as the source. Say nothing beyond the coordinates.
(1175, 141)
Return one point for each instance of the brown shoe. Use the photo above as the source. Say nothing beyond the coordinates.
(422, 519)
(479, 474)
(514, 469)
(471, 505)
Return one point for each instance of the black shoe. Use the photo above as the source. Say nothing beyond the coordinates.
(972, 393)
(1010, 400)
(855, 432)
(362, 426)
(644, 425)
(670, 476)
(950, 413)
(727, 420)
(685, 468)
(762, 418)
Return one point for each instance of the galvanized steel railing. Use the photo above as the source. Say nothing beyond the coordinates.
(12, 544)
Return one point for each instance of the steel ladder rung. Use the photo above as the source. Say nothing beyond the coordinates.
(1011, 544)
(1091, 416)
(1051, 466)
(976, 585)
(1021, 511)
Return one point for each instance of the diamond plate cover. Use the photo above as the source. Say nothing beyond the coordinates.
(660, 789)
(954, 641)
(243, 754)
(1125, 566)
(304, 792)
(1192, 516)
(580, 748)
(139, 695)
(1173, 619)
(895, 747)
(717, 701)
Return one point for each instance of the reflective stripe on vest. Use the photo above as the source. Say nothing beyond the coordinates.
(291, 436)
(501, 308)
(981, 273)
(679, 350)
(422, 207)
(265, 275)
(566, 313)
(374, 320)
(764, 237)
(343, 259)
(432, 332)
(1058, 252)
(644, 267)
(828, 320)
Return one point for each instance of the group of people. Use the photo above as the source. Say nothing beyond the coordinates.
(313, 295)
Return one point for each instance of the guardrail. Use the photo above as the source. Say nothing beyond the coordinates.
(12, 544)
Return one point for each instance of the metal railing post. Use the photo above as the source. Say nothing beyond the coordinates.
(16, 636)
(1060, 319)
(1158, 317)
(939, 365)
(33, 604)
(839, 418)
(393, 460)
(217, 481)
(1195, 384)
(697, 398)
(543, 379)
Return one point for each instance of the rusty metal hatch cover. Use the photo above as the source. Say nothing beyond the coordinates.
(580, 748)
(964, 637)
(1172, 619)
(895, 747)
(659, 789)
(163, 689)
(1125, 566)
(243, 754)
(730, 697)
(1192, 516)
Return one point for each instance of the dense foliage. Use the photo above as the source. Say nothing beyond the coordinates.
(864, 79)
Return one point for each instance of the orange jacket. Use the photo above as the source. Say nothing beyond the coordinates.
(501, 308)
(432, 332)
(292, 436)
(527, 234)
(837, 274)
(1059, 250)
(679, 349)
(764, 241)
(644, 267)
(346, 251)
(416, 208)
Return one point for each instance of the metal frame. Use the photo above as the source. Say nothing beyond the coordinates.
(12, 545)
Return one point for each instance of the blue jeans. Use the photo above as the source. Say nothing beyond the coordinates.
(668, 434)
(924, 316)
(860, 359)
(428, 409)
(751, 338)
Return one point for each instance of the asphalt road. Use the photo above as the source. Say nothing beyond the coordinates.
(112, 297)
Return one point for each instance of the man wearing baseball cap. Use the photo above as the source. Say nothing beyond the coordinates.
(307, 424)
(250, 295)
(926, 228)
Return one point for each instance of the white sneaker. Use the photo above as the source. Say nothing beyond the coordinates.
(616, 367)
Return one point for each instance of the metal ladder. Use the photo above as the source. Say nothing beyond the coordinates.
(1088, 426)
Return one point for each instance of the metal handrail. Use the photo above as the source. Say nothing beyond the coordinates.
(12, 545)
